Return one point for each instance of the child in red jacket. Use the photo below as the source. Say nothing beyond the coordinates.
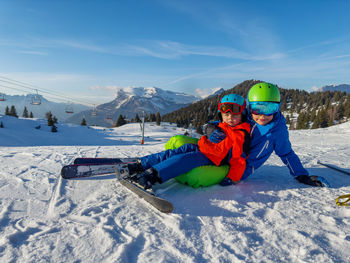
(226, 143)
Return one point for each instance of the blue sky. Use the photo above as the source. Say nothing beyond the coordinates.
(87, 49)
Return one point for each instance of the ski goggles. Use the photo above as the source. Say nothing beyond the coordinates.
(232, 107)
(264, 107)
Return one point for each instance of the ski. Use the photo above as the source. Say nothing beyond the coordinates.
(91, 169)
(99, 160)
(86, 170)
(159, 203)
(333, 167)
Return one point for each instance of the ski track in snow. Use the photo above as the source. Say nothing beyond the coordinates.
(267, 218)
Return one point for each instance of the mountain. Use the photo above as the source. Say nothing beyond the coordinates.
(341, 87)
(216, 91)
(134, 100)
(39, 111)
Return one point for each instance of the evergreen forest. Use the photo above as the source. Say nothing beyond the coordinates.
(302, 109)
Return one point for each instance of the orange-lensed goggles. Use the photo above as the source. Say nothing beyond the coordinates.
(232, 107)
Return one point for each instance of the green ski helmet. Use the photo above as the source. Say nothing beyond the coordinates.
(264, 91)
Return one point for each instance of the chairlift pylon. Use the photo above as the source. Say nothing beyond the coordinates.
(36, 99)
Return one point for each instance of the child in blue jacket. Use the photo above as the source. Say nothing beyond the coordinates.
(269, 133)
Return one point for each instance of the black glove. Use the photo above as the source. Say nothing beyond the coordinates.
(226, 182)
(311, 180)
(208, 129)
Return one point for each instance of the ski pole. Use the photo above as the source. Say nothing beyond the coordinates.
(334, 168)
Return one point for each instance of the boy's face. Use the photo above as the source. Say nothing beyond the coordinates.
(231, 119)
(262, 119)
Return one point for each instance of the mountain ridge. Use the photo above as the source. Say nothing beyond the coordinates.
(135, 100)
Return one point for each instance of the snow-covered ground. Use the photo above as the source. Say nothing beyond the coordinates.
(267, 218)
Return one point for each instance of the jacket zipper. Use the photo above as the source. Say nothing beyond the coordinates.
(263, 148)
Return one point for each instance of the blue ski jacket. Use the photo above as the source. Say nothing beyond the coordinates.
(268, 138)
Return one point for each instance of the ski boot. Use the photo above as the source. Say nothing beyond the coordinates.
(125, 170)
(146, 178)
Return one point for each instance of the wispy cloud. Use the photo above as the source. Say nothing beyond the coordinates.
(253, 32)
(28, 52)
(148, 48)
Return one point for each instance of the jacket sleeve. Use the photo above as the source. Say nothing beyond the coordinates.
(215, 152)
(283, 149)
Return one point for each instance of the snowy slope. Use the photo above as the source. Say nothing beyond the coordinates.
(267, 218)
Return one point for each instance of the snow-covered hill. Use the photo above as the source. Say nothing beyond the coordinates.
(267, 218)
(135, 100)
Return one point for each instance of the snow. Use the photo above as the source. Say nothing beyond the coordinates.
(151, 92)
(270, 217)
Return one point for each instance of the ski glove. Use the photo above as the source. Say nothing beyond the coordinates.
(312, 180)
(214, 133)
(226, 182)
(208, 129)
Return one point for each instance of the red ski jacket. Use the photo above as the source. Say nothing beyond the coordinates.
(234, 140)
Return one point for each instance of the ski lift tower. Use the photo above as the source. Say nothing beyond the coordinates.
(143, 128)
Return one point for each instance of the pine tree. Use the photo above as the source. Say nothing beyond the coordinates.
(302, 121)
(324, 119)
(54, 120)
(340, 110)
(13, 111)
(83, 122)
(321, 120)
(25, 113)
(1, 125)
(313, 114)
(7, 110)
(31, 115)
(49, 119)
(137, 118)
(288, 119)
(158, 118)
(121, 121)
(347, 109)
(152, 117)
(53, 128)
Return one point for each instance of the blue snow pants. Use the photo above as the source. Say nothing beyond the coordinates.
(172, 163)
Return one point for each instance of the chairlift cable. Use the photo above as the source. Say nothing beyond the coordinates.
(32, 87)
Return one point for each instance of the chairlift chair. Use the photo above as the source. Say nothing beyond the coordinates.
(94, 111)
(36, 99)
(2, 97)
(69, 109)
(109, 117)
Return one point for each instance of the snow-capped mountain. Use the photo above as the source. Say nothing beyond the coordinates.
(216, 91)
(135, 100)
(341, 87)
(39, 111)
